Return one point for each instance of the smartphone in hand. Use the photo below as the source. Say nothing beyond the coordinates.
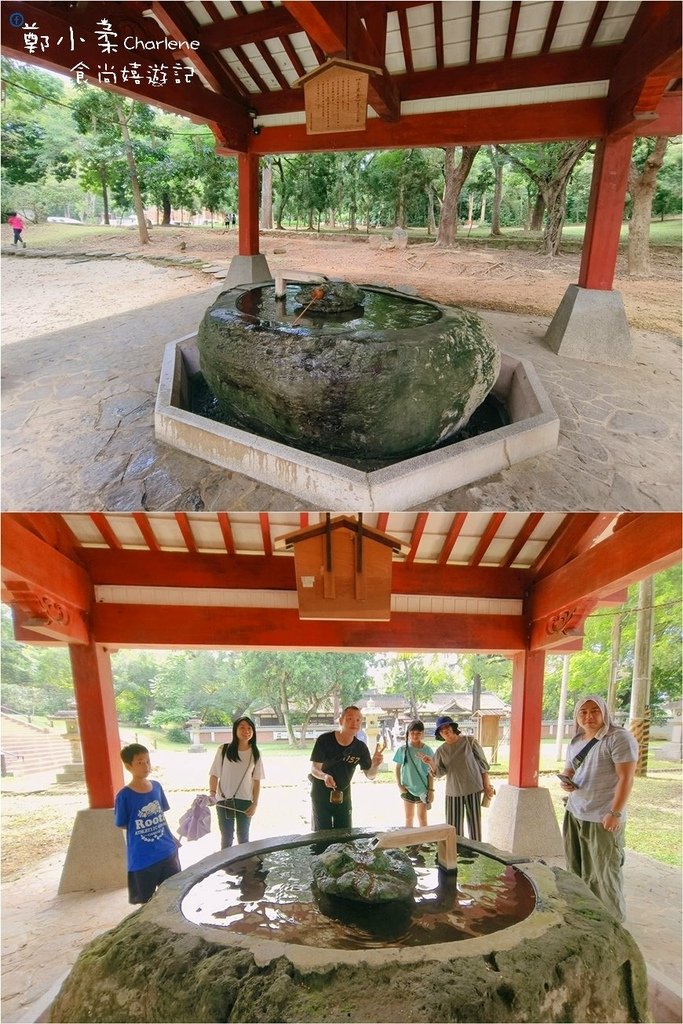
(566, 781)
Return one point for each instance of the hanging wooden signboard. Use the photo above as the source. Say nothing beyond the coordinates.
(343, 570)
(336, 96)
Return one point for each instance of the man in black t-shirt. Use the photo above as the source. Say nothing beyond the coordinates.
(335, 757)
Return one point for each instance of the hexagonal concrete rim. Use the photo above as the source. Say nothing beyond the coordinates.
(534, 429)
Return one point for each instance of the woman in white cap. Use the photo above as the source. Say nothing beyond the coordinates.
(462, 761)
(598, 776)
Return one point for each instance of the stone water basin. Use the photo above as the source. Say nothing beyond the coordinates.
(562, 958)
(388, 378)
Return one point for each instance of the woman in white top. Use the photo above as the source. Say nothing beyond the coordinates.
(235, 782)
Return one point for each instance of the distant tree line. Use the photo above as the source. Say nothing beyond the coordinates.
(164, 689)
(76, 149)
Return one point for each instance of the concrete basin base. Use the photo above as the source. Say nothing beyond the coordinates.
(533, 430)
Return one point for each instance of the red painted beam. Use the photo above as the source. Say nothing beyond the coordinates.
(646, 545)
(526, 717)
(490, 76)
(176, 569)
(27, 558)
(118, 625)
(575, 533)
(98, 724)
(532, 521)
(416, 536)
(540, 122)
(453, 533)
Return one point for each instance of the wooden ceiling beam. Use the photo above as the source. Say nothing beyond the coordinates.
(186, 530)
(512, 28)
(226, 532)
(250, 28)
(438, 33)
(541, 122)
(180, 25)
(405, 41)
(52, 528)
(264, 521)
(145, 528)
(451, 537)
(262, 628)
(30, 561)
(106, 530)
(574, 534)
(651, 57)
(594, 24)
(555, 12)
(245, 572)
(486, 538)
(532, 521)
(416, 536)
(519, 72)
(643, 547)
(474, 31)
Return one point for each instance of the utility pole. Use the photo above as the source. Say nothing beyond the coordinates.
(562, 708)
(639, 723)
(614, 664)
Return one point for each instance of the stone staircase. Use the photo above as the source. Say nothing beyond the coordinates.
(28, 749)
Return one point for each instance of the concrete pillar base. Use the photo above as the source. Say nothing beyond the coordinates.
(96, 858)
(591, 325)
(523, 821)
(247, 270)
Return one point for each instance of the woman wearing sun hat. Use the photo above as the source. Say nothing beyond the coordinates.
(462, 761)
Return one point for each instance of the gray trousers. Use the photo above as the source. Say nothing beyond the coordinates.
(597, 856)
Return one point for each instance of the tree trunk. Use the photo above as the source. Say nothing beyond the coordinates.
(482, 211)
(401, 209)
(642, 189)
(537, 213)
(497, 196)
(166, 205)
(105, 196)
(455, 178)
(282, 197)
(431, 219)
(266, 194)
(132, 171)
(311, 226)
(286, 714)
(554, 193)
(470, 211)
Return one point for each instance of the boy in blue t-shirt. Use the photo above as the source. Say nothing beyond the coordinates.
(151, 848)
(414, 778)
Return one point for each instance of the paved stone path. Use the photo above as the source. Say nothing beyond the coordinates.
(78, 425)
(42, 933)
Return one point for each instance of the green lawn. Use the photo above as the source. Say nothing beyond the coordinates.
(66, 236)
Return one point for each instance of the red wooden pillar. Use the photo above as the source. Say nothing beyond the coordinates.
(98, 725)
(248, 189)
(525, 723)
(605, 212)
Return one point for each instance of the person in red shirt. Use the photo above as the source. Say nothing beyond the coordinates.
(17, 225)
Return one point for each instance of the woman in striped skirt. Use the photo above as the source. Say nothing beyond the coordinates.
(462, 761)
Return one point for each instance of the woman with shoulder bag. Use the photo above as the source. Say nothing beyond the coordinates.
(235, 782)
(414, 777)
(462, 761)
